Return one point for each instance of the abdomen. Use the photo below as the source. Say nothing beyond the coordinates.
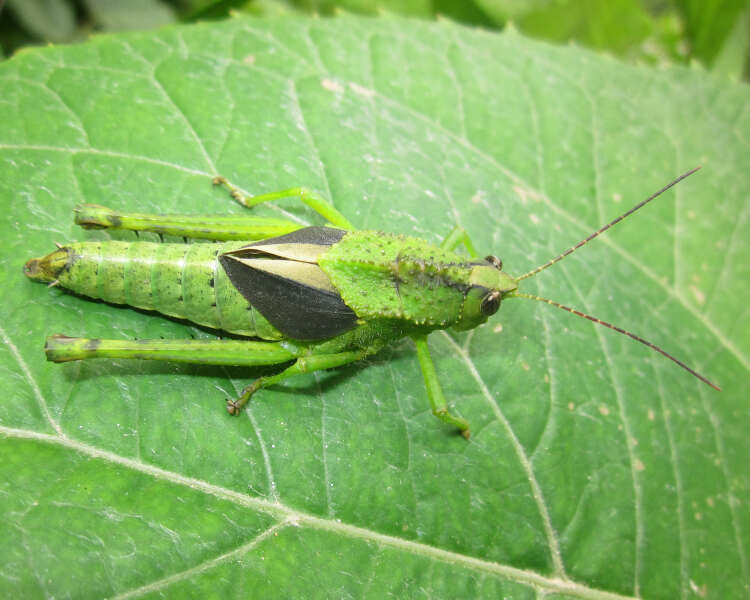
(179, 280)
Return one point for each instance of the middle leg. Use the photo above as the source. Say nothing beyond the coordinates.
(315, 201)
(304, 364)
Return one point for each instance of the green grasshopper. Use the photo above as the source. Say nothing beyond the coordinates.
(319, 297)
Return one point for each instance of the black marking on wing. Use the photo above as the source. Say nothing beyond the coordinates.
(297, 310)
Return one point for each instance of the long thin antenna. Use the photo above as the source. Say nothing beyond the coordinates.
(607, 226)
(617, 329)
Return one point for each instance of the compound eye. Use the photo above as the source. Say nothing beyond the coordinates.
(490, 304)
(494, 261)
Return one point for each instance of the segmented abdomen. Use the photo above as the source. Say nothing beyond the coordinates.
(180, 280)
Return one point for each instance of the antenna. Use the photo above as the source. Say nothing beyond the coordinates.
(618, 330)
(607, 226)
(594, 319)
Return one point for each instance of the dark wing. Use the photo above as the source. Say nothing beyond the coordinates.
(281, 279)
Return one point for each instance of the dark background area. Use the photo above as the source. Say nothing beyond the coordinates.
(712, 33)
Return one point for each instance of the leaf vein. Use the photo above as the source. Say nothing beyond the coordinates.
(284, 513)
(166, 582)
(32, 382)
(527, 466)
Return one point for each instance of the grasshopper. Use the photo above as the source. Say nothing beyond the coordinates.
(317, 297)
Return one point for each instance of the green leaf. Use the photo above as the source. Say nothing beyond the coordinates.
(618, 26)
(734, 57)
(596, 466)
(504, 10)
(52, 20)
(709, 24)
(112, 15)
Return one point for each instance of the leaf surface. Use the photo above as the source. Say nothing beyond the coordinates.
(596, 467)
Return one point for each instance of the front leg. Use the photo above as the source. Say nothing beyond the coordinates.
(434, 391)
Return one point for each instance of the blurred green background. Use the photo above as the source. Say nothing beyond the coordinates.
(713, 33)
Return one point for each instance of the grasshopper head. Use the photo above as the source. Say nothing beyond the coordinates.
(488, 284)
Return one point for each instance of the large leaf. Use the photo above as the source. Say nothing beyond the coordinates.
(709, 24)
(596, 466)
(53, 20)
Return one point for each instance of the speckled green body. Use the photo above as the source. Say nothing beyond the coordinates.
(385, 276)
(396, 285)
(320, 297)
(179, 280)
